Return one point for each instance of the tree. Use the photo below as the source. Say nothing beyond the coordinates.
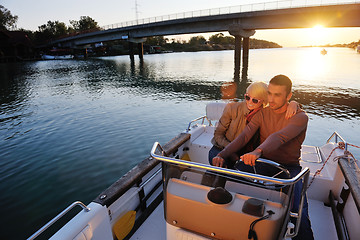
(198, 40)
(85, 23)
(157, 40)
(220, 39)
(50, 30)
(55, 29)
(7, 20)
(216, 38)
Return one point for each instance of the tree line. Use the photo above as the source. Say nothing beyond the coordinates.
(50, 30)
(217, 41)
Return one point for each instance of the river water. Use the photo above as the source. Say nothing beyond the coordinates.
(69, 129)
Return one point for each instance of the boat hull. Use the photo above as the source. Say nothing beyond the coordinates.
(54, 57)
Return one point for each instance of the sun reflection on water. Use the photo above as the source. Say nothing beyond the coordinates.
(312, 64)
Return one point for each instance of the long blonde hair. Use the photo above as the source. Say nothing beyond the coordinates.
(258, 90)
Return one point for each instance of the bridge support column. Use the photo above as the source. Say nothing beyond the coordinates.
(237, 58)
(140, 48)
(246, 47)
(141, 51)
(236, 31)
(131, 51)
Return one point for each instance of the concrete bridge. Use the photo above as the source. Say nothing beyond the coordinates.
(239, 21)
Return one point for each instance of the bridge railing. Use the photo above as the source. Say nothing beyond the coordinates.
(282, 4)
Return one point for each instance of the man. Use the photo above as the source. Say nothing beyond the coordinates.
(280, 140)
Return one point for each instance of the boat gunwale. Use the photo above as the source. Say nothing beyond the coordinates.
(351, 179)
(351, 174)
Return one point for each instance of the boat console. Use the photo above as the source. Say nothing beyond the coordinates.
(222, 203)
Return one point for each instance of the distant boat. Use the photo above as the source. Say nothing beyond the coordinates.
(57, 54)
(54, 57)
(358, 49)
(323, 51)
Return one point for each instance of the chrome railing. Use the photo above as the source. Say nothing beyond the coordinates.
(197, 119)
(233, 9)
(337, 137)
(226, 170)
(60, 215)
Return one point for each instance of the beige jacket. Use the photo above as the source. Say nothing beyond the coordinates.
(231, 123)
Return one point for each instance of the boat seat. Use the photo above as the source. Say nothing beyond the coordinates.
(201, 138)
(214, 110)
(201, 144)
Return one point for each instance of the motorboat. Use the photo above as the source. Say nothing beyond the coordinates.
(57, 54)
(176, 194)
(56, 57)
(323, 51)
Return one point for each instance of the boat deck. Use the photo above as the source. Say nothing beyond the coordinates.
(320, 215)
(154, 227)
(322, 221)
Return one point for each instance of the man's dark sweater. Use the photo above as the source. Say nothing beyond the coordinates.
(280, 138)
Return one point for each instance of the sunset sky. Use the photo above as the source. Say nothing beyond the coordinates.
(37, 12)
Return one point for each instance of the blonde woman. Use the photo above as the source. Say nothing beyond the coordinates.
(235, 117)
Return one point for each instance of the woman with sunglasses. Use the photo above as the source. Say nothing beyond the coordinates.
(235, 117)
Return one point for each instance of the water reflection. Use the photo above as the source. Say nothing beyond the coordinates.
(14, 93)
(323, 101)
(93, 76)
(312, 63)
(12, 89)
(334, 102)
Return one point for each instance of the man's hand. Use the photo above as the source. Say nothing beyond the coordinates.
(250, 158)
(218, 161)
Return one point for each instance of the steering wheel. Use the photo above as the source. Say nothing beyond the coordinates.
(268, 162)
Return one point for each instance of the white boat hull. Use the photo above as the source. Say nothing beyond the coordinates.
(54, 57)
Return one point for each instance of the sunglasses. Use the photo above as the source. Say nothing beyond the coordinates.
(248, 98)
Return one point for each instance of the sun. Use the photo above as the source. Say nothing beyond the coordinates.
(318, 26)
(318, 35)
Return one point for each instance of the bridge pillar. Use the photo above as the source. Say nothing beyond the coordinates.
(236, 31)
(237, 56)
(139, 42)
(141, 51)
(131, 51)
(246, 47)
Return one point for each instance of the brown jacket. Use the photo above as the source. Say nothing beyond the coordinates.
(231, 123)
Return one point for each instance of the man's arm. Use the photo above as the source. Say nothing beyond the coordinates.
(240, 141)
(296, 125)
